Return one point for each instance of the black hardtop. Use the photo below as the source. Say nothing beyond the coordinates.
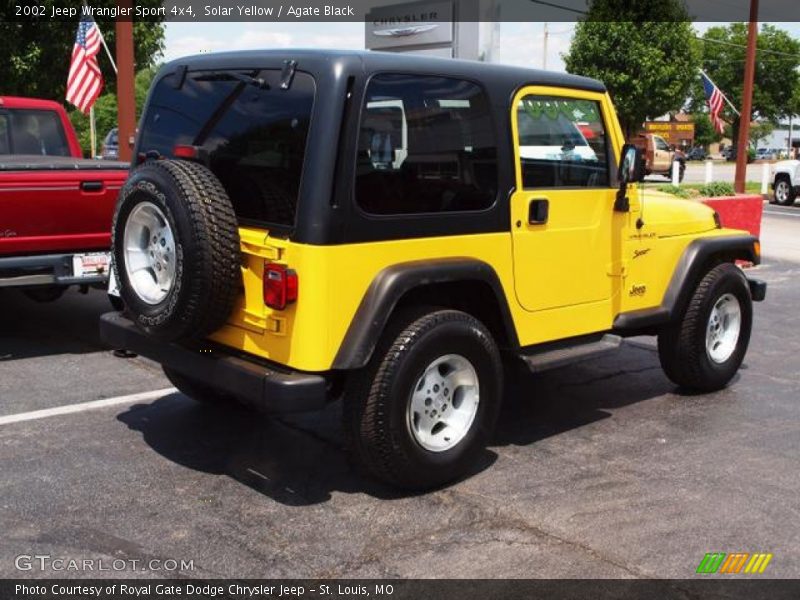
(317, 61)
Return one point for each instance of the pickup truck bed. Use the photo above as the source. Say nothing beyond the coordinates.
(55, 219)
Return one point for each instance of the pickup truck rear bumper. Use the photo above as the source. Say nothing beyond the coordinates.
(267, 387)
(46, 269)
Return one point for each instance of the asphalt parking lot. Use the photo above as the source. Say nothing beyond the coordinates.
(601, 469)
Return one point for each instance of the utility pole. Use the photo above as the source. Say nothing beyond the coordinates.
(126, 95)
(544, 47)
(747, 99)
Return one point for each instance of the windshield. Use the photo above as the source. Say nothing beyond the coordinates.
(255, 136)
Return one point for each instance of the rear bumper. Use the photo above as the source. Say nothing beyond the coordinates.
(266, 387)
(46, 269)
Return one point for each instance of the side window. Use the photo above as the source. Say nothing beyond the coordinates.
(425, 145)
(661, 144)
(562, 143)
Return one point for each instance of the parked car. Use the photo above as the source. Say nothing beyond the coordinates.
(785, 182)
(697, 153)
(659, 156)
(110, 150)
(302, 226)
(55, 206)
(730, 154)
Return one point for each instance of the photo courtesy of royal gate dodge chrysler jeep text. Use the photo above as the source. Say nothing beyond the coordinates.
(301, 226)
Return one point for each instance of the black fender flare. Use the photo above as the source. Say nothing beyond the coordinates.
(389, 286)
(688, 272)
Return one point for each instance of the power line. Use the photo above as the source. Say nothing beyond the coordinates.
(566, 8)
(765, 51)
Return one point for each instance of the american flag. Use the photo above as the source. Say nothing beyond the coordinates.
(714, 98)
(85, 81)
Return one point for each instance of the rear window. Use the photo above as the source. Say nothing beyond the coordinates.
(254, 137)
(36, 132)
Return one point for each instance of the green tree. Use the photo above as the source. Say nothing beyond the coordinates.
(776, 77)
(647, 65)
(36, 52)
(704, 132)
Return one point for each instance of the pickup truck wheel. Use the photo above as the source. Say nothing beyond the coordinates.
(197, 390)
(425, 406)
(681, 173)
(705, 349)
(45, 293)
(176, 249)
(784, 193)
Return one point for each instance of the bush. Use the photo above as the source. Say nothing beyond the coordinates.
(675, 190)
(717, 188)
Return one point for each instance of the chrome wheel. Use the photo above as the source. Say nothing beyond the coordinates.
(782, 191)
(444, 403)
(724, 326)
(149, 253)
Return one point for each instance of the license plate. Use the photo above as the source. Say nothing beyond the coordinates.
(91, 265)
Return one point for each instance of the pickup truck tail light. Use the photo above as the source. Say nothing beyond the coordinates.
(280, 286)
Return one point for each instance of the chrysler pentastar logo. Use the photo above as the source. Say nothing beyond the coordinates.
(404, 31)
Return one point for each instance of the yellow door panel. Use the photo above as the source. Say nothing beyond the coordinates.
(564, 150)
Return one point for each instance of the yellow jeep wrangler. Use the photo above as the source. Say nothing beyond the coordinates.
(300, 226)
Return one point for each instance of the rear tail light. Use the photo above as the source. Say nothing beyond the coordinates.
(183, 151)
(280, 286)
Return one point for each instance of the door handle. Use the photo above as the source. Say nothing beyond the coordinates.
(91, 186)
(538, 211)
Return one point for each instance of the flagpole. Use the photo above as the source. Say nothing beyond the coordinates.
(103, 39)
(92, 132)
(108, 52)
(733, 108)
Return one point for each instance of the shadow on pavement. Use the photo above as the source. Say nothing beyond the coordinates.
(68, 325)
(300, 460)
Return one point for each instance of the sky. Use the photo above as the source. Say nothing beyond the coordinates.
(519, 43)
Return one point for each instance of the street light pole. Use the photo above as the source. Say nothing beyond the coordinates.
(747, 99)
(126, 96)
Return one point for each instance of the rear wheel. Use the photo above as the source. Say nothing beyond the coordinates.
(706, 347)
(424, 407)
(197, 390)
(784, 193)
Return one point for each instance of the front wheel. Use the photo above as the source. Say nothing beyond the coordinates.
(784, 193)
(425, 406)
(706, 347)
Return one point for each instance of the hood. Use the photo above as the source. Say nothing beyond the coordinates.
(665, 215)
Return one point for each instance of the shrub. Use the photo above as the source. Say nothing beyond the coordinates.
(717, 188)
(675, 190)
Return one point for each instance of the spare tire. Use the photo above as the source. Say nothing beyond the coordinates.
(176, 252)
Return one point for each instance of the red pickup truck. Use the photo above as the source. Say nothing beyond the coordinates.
(55, 206)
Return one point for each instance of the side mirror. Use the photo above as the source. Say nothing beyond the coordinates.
(631, 169)
(631, 165)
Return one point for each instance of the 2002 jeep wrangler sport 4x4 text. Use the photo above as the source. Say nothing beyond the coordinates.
(305, 225)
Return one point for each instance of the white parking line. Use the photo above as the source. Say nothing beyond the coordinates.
(83, 406)
(780, 212)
